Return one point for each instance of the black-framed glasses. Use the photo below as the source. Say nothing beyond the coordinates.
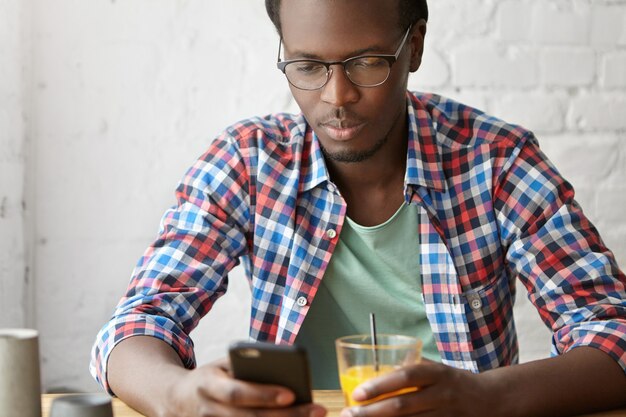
(369, 70)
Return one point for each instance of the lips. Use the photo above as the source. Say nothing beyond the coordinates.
(342, 130)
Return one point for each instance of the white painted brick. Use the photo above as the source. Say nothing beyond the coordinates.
(434, 71)
(541, 113)
(513, 20)
(608, 24)
(613, 71)
(617, 176)
(612, 208)
(450, 19)
(598, 112)
(584, 160)
(487, 64)
(560, 22)
(11, 127)
(569, 67)
(13, 287)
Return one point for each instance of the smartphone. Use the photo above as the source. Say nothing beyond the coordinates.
(267, 363)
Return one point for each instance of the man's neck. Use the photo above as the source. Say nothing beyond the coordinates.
(375, 172)
(373, 188)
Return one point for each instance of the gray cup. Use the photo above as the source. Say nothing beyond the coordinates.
(82, 405)
(20, 388)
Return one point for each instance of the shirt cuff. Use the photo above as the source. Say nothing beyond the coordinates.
(123, 327)
(608, 336)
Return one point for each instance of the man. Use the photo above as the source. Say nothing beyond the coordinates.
(415, 206)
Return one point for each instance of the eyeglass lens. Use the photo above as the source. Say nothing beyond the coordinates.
(362, 71)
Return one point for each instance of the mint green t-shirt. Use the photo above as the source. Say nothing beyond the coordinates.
(373, 269)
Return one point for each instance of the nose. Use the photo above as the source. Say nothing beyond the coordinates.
(339, 90)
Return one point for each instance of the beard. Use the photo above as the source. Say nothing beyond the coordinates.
(354, 156)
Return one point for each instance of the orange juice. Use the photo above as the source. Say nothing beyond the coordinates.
(356, 375)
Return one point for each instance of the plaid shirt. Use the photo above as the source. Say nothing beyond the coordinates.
(492, 208)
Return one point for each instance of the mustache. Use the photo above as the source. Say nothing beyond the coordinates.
(341, 118)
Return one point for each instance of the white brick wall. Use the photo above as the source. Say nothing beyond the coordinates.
(556, 65)
(608, 24)
(612, 74)
(560, 22)
(123, 95)
(13, 277)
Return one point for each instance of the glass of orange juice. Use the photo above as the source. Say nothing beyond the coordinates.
(359, 360)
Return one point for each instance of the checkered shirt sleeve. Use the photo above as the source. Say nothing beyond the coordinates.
(571, 276)
(183, 272)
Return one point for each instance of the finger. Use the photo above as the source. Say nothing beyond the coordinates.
(221, 387)
(415, 376)
(415, 403)
(223, 364)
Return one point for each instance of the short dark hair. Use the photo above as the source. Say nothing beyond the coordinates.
(410, 12)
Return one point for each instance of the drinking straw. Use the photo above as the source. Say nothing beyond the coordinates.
(374, 340)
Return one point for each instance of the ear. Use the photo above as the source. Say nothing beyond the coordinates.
(416, 39)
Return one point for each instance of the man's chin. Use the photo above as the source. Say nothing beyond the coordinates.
(347, 156)
(353, 156)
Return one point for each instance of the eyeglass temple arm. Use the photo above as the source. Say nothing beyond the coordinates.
(280, 44)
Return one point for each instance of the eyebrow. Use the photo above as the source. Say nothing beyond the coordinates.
(364, 51)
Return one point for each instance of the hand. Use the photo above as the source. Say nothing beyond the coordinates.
(443, 391)
(212, 391)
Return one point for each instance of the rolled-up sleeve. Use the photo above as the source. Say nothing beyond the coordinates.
(571, 276)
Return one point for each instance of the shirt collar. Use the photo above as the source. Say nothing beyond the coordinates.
(314, 170)
(423, 166)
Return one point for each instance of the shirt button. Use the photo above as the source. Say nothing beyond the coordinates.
(476, 303)
(331, 233)
(301, 301)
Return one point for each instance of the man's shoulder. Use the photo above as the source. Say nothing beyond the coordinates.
(275, 128)
(459, 124)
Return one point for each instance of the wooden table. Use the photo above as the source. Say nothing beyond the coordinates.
(332, 400)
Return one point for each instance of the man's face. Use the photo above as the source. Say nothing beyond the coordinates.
(351, 122)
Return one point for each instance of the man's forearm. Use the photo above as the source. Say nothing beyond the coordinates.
(139, 371)
(580, 381)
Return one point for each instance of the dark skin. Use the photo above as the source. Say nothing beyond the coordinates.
(350, 122)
